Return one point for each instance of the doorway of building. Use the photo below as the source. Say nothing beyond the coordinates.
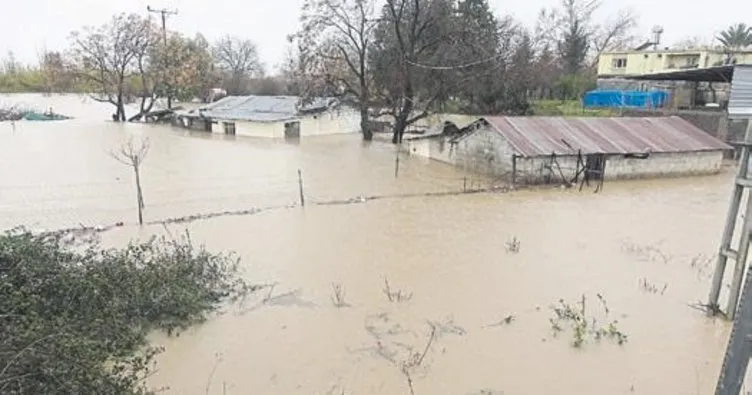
(292, 130)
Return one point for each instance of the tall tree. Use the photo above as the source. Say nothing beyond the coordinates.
(692, 42)
(10, 64)
(106, 56)
(55, 73)
(415, 59)
(573, 31)
(735, 38)
(479, 87)
(335, 41)
(238, 59)
(189, 72)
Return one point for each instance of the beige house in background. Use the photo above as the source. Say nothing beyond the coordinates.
(635, 62)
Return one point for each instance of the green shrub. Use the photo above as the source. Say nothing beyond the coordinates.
(74, 318)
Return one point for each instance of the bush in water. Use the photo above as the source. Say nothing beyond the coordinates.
(74, 318)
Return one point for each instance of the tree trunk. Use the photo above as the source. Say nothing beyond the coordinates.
(365, 125)
(139, 196)
(400, 121)
(120, 113)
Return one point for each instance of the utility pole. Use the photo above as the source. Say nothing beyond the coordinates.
(164, 13)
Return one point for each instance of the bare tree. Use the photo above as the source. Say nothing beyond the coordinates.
(616, 33)
(572, 29)
(415, 50)
(239, 59)
(692, 42)
(335, 41)
(106, 56)
(132, 154)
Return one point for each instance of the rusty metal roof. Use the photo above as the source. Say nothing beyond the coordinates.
(539, 136)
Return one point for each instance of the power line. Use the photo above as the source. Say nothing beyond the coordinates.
(459, 66)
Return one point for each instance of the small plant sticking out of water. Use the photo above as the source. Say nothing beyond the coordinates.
(584, 324)
(647, 253)
(702, 265)
(395, 296)
(411, 351)
(652, 288)
(504, 321)
(338, 296)
(513, 245)
(413, 357)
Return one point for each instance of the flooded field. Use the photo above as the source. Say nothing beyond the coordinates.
(449, 295)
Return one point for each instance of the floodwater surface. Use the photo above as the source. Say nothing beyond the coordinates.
(471, 278)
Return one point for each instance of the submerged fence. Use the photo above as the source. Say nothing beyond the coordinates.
(106, 205)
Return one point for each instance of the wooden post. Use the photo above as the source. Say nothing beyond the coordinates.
(396, 165)
(139, 196)
(464, 184)
(514, 169)
(300, 187)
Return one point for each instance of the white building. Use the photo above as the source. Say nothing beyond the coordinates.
(272, 117)
(532, 150)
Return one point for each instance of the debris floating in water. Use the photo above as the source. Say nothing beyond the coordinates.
(17, 114)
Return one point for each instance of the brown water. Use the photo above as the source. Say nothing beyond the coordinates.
(449, 252)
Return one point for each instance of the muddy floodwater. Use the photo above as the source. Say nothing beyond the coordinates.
(471, 278)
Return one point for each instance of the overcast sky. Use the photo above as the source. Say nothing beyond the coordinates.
(28, 26)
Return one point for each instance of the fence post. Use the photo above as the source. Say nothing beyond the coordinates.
(464, 184)
(300, 187)
(396, 165)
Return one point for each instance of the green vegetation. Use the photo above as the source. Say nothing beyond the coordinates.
(34, 80)
(570, 108)
(584, 323)
(74, 317)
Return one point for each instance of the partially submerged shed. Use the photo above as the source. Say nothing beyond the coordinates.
(557, 149)
(272, 116)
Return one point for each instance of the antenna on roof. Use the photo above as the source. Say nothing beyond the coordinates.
(657, 31)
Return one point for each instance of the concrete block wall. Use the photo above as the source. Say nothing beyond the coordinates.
(485, 152)
(665, 164)
(537, 170)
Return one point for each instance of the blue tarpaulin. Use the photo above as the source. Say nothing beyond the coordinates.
(615, 98)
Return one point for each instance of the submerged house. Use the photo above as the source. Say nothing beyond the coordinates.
(533, 150)
(271, 116)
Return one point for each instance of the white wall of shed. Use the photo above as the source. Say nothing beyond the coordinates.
(334, 121)
(257, 129)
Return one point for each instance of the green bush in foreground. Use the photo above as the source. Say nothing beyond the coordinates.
(74, 319)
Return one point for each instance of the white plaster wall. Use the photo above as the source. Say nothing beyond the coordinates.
(257, 129)
(419, 147)
(335, 121)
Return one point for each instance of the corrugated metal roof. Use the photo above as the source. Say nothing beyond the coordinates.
(540, 136)
(740, 99)
(261, 108)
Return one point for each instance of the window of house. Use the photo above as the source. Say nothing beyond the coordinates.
(619, 63)
(229, 128)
